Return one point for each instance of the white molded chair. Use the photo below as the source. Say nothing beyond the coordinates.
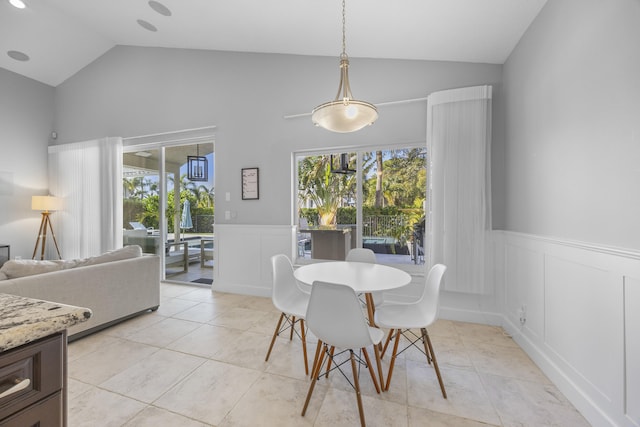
(402, 317)
(361, 255)
(291, 300)
(365, 255)
(335, 317)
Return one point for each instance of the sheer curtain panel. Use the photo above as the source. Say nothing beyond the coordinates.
(88, 177)
(458, 143)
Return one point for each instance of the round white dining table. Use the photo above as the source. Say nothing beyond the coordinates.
(362, 277)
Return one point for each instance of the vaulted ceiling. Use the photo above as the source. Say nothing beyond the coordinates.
(60, 37)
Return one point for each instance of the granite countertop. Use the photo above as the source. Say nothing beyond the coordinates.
(23, 320)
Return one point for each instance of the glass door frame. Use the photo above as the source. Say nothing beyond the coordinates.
(359, 150)
(161, 142)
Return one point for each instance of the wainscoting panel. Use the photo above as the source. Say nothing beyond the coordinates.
(243, 256)
(582, 322)
(632, 349)
(525, 295)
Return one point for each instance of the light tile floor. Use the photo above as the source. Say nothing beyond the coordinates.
(199, 361)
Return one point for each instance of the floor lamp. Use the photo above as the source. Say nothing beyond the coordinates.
(45, 204)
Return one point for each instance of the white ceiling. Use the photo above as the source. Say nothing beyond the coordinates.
(63, 36)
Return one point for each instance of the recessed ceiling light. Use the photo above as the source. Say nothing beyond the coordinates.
(143, 154)
(147, 26)
(160, 8)
(18, 56)
(18, 3)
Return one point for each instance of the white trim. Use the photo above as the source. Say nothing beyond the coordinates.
(360, 148)
(378, 104)
(452, 97)
(461, 94)
(204, 133)
(592, 247)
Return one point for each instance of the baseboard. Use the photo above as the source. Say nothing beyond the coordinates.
(243, 289)
(586, 406)
(471, 316)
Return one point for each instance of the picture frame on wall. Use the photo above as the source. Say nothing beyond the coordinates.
(250, 184)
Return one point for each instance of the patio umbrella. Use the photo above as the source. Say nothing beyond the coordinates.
(185, 221)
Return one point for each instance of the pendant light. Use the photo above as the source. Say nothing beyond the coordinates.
(197, 167)
(344, 114)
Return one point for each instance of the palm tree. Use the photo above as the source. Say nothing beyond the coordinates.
(205, 196)
(128, 187)
(325, 189)
(379, 169)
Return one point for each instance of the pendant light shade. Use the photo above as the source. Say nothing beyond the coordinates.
(344, 114)
(338, 116)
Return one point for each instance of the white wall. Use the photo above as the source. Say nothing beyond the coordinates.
(133, 91)
(572, 103)
(570, 186)
(26, 122)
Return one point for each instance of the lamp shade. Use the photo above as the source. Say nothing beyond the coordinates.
(45, 203)
(344, 116)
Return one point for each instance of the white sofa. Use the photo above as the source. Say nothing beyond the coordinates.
(113, 290)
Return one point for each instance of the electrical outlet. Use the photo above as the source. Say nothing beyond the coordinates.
(522, 313)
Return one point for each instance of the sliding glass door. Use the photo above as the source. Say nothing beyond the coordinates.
(376, 196)
(169, 207)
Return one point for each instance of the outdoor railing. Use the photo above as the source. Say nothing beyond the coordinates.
(386, 225)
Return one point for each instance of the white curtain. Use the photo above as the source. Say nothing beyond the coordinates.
(88, 178)
(458, 143)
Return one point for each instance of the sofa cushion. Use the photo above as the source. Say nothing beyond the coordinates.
(126, 252)
(28, 267)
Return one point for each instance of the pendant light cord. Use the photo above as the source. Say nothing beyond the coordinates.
(344, 114)
(344, 25)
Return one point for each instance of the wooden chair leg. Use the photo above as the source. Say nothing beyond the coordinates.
(314, 367)
(379, 366)
(426, 346)
(313, 383)
(425, 334)
(304, 347)
(373, 374)
(386, 343)
(370, 309)
(393, 358)
(275, 334)
(293, 324)
(356, 383)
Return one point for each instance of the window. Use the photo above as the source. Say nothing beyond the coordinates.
(378, 194)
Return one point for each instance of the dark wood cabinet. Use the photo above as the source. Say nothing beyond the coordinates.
(33, 383)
